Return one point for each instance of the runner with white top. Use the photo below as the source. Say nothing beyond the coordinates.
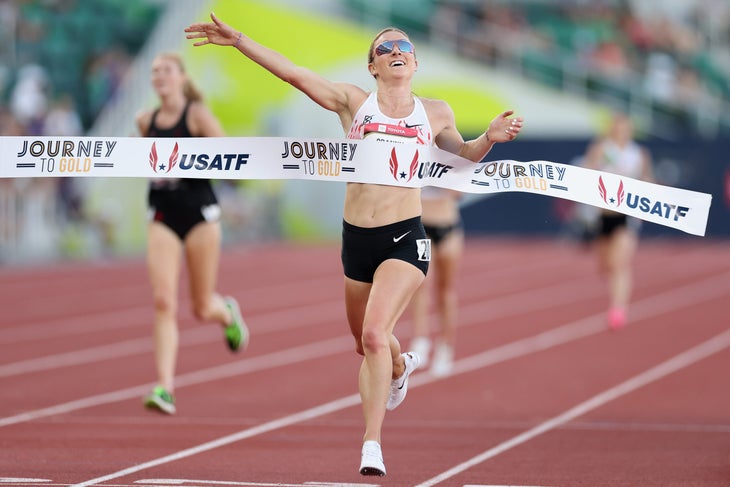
(385, 252)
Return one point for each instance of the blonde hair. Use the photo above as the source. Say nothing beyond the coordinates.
(191, 92)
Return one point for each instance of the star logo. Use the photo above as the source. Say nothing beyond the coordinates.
(611, 200)
(403, 175)
(172, 161)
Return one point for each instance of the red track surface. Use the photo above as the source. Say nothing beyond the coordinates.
(542, 395)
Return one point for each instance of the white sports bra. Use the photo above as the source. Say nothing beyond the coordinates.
(370, 122)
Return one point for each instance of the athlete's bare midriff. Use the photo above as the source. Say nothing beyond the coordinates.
(374, 205)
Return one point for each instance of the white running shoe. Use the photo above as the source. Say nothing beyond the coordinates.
(443, 360)
(421, 346)
(371, 459)
(399, 386)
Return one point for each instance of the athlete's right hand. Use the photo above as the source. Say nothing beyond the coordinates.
(216, 32)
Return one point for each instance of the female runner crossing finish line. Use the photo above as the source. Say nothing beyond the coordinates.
(385, 252)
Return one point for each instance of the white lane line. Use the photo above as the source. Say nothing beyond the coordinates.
(651, 306)
(690, 294)
(254, 364)
(315, 412)
(192, 483)
(107, 320)
(267, 322)
(523, 347)
(678, 362)
(311, 413)
(136, 315)
(158, 482)
(278, 320)
(75, 325)
(10, 482)
(306, 315)
(78, 357)
(475, 313)
(21, 480)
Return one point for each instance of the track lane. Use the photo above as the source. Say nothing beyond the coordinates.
(338, 431)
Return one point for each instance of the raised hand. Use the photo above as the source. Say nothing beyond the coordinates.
(503, 128)
(216, 32)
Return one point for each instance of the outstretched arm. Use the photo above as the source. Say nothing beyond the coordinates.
(336, 97)
(502, 128)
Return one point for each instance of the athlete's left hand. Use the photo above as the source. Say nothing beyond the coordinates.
(504, 128)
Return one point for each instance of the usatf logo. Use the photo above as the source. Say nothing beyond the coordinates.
(421, 170)
(642, 203)
(171, 162)
(394, 170)
(611, 200)
(200, 162)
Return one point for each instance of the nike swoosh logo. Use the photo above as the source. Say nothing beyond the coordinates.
(413, 126)
(398, 239)
(405, 375)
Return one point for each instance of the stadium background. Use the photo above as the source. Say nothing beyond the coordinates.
(82, 67)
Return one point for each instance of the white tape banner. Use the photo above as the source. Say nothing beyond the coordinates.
(344, 160)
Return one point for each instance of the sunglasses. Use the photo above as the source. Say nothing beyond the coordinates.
(387, 47)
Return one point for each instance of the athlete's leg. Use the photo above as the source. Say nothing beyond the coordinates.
(622, 248)
(420, 304)
(447, 258)
(421, 307)
(164, 253)
(357, 294)
(356, 300)
(393, 286)
(603, 251)
(202, 253)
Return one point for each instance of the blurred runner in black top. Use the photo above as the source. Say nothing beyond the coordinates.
(184, 221)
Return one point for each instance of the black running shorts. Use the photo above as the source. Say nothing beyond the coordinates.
(182, 204)
(364, 249)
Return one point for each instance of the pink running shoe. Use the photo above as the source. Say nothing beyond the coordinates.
(616, 318)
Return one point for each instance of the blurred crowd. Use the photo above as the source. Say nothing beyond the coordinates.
(60, 62)
(674, 52)
(68, 52)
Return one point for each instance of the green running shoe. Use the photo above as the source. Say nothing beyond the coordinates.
(161, 400)
(237, 334)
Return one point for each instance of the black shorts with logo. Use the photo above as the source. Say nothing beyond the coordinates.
(364, 249)
(180, 204)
